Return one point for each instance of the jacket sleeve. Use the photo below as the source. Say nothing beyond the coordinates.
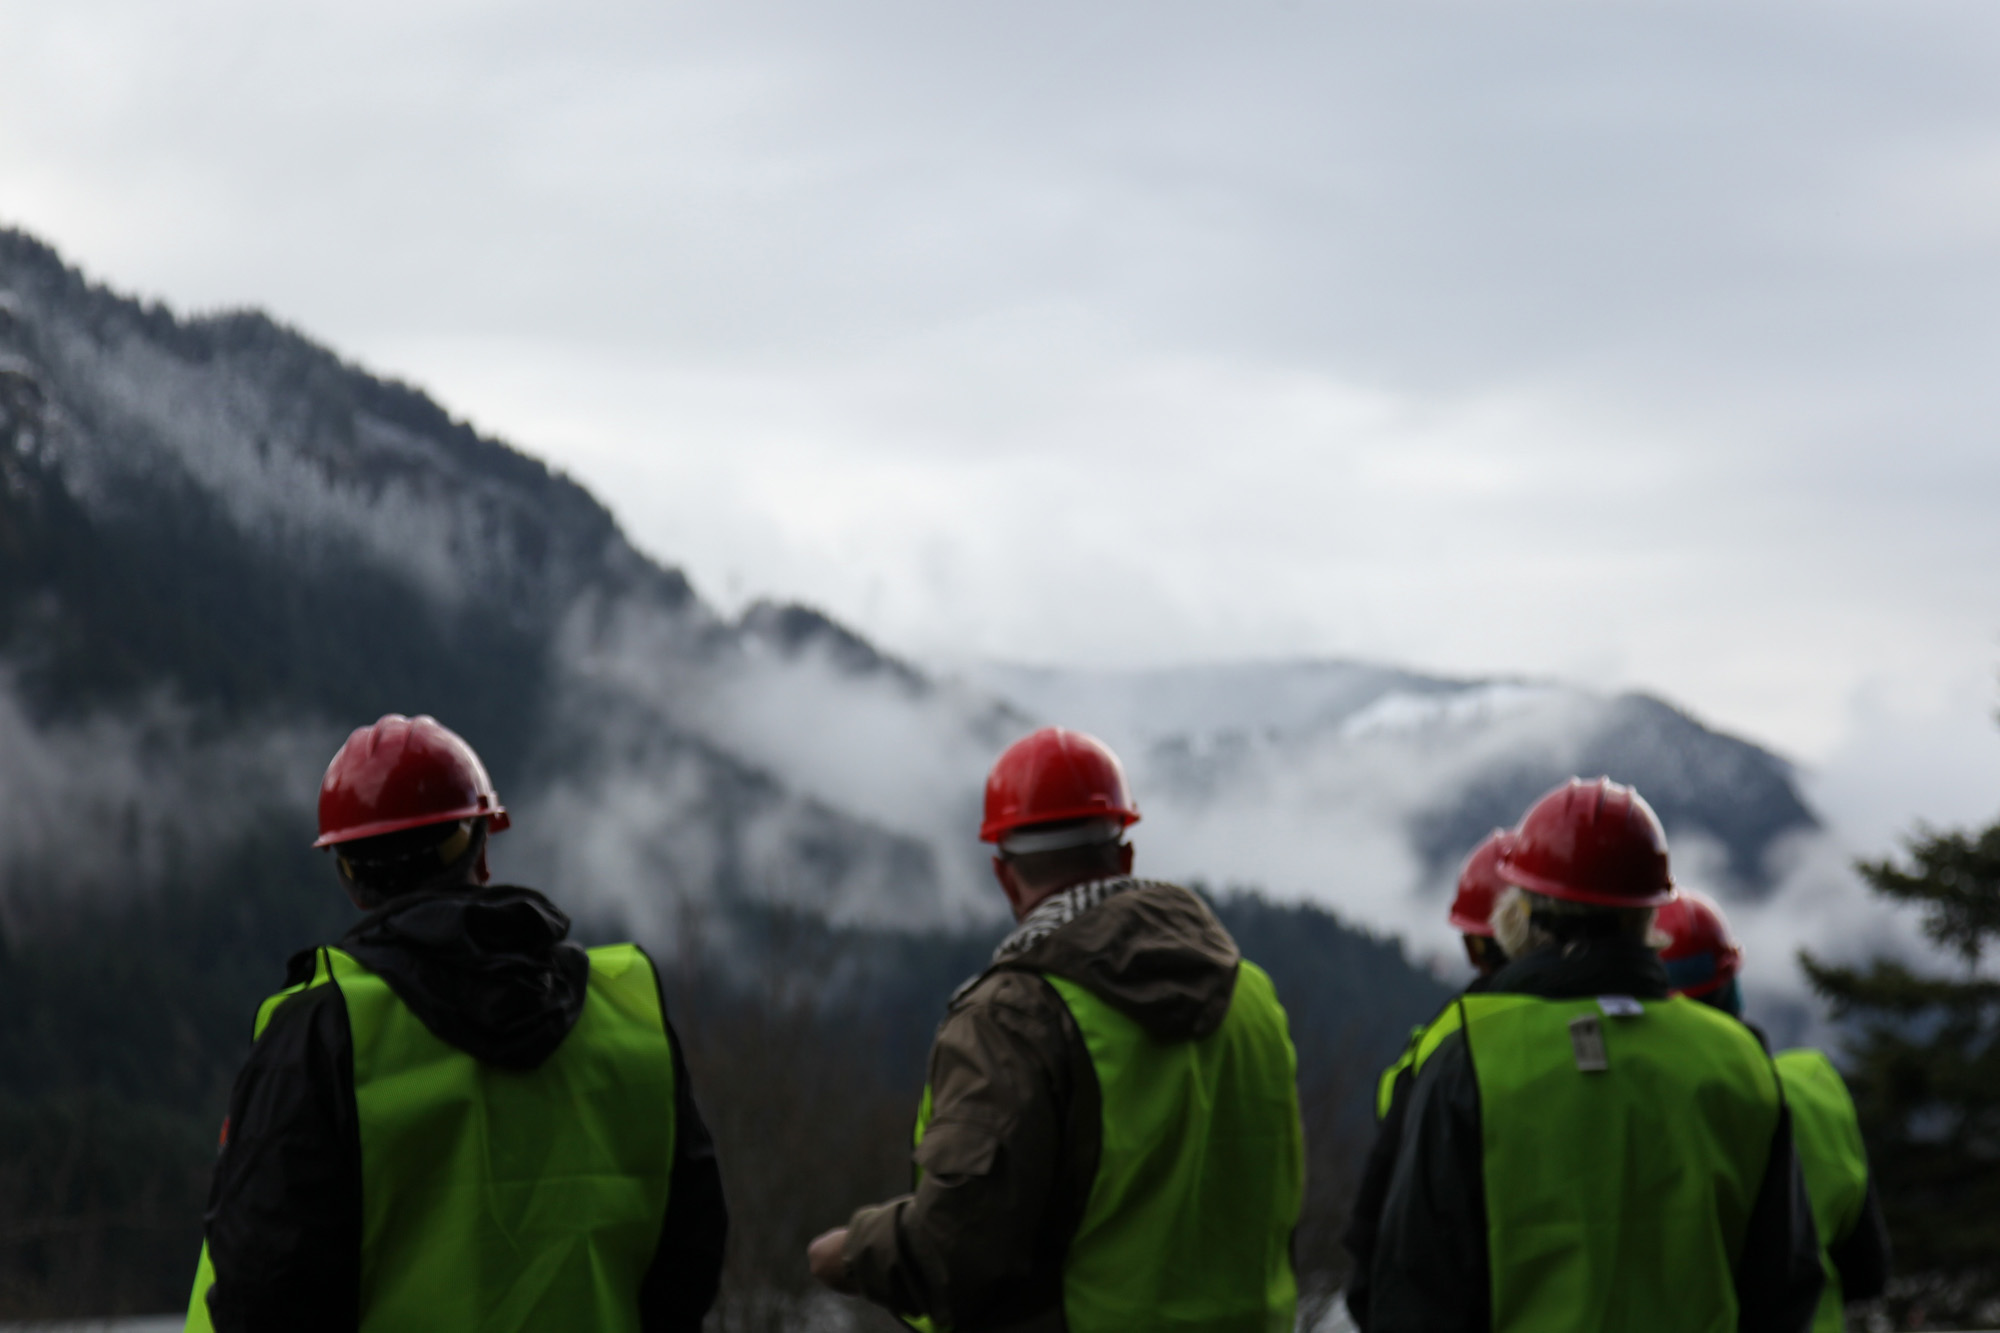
(283, 1223)
(1861, 1257)
(1778, 1279)
(687, 1268)
(1364, 1220)
(979, 1244)
(1429, 1273)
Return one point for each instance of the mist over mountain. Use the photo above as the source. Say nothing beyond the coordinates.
(223, 547)
(1296, 774)
(214, 528)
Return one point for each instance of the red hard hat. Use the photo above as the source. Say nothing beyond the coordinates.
(1053, 775)
(1478, 885)
(1591, 842)
(1702, 953)
(403, 773)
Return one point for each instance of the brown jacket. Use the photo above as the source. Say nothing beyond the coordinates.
(1014, 1137)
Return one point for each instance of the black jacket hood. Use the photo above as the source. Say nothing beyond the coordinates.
(489, 970)
(1586, 967)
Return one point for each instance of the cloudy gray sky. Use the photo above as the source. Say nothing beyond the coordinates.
(1647, 344)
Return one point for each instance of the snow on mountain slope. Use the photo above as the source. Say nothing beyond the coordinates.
(1213, 699)
(1362, 787)
(223, 547)
(1440, 760)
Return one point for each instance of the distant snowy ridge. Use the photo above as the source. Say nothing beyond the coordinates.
(224, 546)
(1399, 713)
(1434, 761)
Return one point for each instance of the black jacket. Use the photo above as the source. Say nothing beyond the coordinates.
(490, 972)
(1430, 1269)
(1861, 1257)
(1364, 1218)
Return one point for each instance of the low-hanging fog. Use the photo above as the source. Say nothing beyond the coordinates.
(1574, 350)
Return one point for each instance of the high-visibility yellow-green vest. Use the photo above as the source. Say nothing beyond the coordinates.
(1385, 1086)
(1200, 1177)
(1422, 1045)
(496, 1199)
(1617, 1197)
(1827, 1133)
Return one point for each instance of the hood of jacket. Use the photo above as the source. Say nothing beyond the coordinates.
(1584, 968)
(1151, 950)
(488, 970)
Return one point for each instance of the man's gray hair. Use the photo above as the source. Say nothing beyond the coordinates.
(1060, 837)
(1524, 922)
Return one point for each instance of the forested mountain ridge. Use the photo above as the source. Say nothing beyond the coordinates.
(221, 546)
(217, 519)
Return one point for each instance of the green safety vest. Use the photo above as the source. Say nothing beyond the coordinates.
(1616, 1198)
(1828, 1137)
(1385, 1086)
(1422, 1045)
(1201, 1174)
(497, 1199)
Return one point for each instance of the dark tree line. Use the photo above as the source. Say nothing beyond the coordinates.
(125, 1025)
(1924, 1065)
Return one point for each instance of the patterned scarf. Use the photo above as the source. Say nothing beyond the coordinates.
(1058, 910)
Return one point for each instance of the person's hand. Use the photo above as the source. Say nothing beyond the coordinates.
(827, 1257)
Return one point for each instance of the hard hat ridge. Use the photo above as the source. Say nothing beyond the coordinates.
(1701, 953)
(1479, 883)
(1055, 776)
(403, 773)
(1597, 843)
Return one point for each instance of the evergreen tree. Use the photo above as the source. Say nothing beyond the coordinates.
(1925, 1072)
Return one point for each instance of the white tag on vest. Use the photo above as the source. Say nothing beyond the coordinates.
(1586, 1038)
(1620, 1006)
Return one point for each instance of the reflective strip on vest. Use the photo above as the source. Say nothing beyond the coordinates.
(497, 1199)
(1827, 1135)
(1619, 1198)
(1385, 1086)
(1200, 1177)
(1423, 1044)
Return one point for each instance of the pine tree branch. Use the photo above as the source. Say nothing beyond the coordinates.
(1955, 878)
(1891, 987)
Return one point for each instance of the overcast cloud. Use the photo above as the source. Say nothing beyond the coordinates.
(1648, 345)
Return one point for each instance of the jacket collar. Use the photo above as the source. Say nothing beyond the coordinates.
(1584, 968)
(1058, 910)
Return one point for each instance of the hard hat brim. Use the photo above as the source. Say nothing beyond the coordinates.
(495, 814)
(995, 829)
(1466, 925)
(1551, 888)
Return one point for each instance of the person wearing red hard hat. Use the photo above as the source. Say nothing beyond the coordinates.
(1471, 906)
(406, 805)
(1703, 961)
(1700, 952)
(455, 1118)
(1582, 1151)
(1109, 1137)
